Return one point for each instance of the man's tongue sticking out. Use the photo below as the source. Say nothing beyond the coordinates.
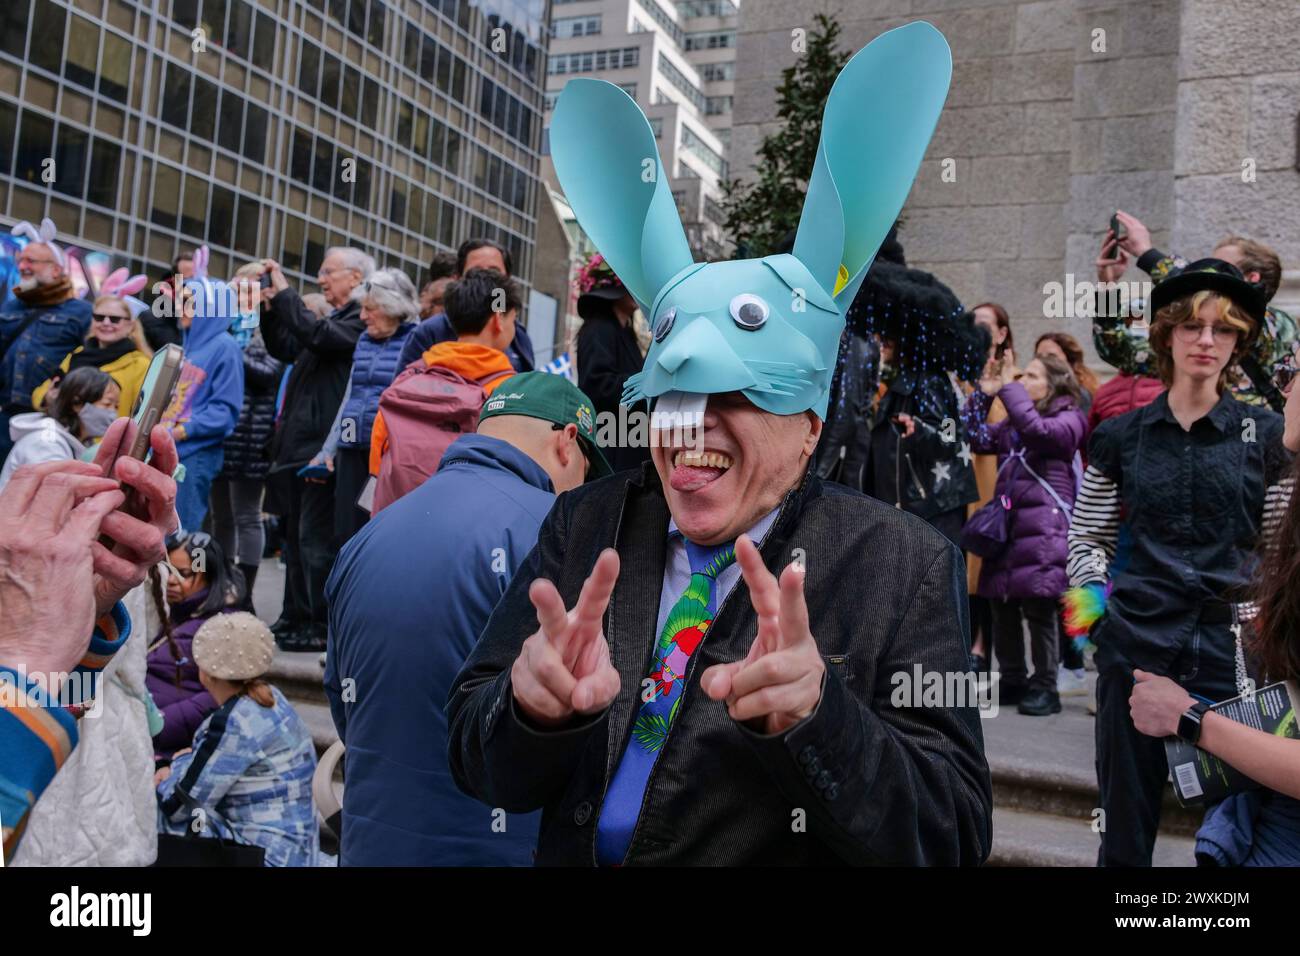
(692, 471)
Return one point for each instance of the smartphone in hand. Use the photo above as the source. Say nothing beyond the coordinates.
(1120, 232)
(155, 395)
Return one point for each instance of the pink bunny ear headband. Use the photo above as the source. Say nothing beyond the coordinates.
(200, 260)
(117, 283)
(44, 235)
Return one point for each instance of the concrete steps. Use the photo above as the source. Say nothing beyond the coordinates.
(1045, 794)
(299, 676)
(1030, 838)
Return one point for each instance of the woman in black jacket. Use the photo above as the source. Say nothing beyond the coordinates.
(920, 460)
(608, 352)
(237, 491)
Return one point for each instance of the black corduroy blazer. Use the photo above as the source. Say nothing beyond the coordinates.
(860, 781)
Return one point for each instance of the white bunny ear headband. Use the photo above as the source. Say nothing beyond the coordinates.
(45, 235)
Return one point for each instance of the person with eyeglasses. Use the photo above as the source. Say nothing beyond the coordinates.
(1162, 545)
(199, 581)
(1256, 827)
(39, 326)
(321, 351)
(116, 345)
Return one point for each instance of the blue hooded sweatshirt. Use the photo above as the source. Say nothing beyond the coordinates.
(211, 390)
(408, 597)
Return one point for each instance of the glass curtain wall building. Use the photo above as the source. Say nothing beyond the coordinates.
(273, 127)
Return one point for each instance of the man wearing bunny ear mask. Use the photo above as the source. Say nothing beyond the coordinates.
(39, 326)
(697, 662)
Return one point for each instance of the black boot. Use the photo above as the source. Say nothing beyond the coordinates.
(1040, 702)
(283, 627)
(250, 575)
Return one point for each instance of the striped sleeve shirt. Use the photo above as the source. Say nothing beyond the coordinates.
(1094, 529)
(37, 732)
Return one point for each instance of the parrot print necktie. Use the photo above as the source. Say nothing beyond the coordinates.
(661, 694)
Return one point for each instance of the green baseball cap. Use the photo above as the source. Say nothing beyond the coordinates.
(552, 398)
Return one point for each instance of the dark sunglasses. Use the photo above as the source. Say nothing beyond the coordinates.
(112, 319)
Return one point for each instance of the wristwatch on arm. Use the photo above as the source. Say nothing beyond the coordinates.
(1189, 725)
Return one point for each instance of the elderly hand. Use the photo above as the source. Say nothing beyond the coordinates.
(564, 669)
(136, 534)
(1156, 704)
(780, 682)
(50, 516)
(278, 282)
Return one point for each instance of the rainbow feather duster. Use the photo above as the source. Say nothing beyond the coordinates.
(1084, 607)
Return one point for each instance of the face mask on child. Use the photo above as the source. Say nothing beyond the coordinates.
(96, 419)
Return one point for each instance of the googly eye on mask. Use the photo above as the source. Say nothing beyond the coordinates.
(767, 327)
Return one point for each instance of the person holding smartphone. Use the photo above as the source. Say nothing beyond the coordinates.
(71, 547)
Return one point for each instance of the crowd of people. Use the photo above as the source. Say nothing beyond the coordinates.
(479, 592)
(285, 408)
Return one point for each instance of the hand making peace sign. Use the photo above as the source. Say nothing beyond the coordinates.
(564, 669)
(780, 681)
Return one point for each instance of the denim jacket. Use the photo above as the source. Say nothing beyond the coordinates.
(32, 356)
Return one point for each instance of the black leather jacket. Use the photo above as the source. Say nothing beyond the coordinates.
(880, 784)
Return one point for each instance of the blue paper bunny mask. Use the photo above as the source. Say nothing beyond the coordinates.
(767, 327)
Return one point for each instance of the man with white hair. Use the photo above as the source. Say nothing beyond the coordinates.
(41, 324)
(321, 353)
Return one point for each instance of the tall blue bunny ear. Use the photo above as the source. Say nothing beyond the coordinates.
(609, 168)
(878, 121)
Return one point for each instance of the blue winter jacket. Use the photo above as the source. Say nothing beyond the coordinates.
(408, 597)
(35, 354)
(374, 366)
(211, 390)
(437, 328)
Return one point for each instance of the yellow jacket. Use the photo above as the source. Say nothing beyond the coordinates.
(128, 371)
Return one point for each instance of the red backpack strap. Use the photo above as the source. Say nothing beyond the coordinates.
(487, 380)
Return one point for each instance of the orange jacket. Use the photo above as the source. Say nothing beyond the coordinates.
(469, 360)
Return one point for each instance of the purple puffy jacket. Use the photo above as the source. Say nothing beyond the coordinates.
(1033, 563)
(185, 706)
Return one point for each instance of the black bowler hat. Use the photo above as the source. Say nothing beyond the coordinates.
(1213, 275)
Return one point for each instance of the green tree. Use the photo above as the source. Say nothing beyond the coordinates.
(761, 213)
